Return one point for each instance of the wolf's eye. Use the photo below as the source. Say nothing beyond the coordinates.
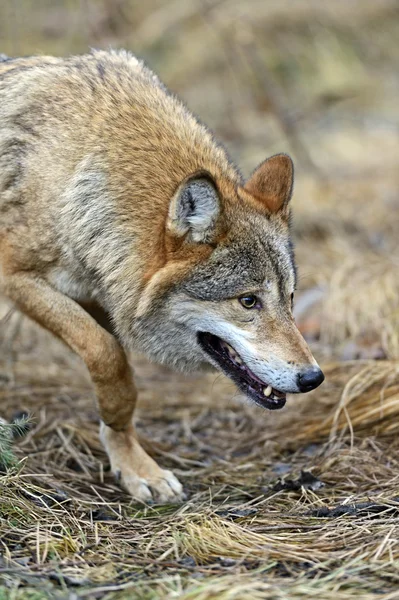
(249, 301)
(292, 300)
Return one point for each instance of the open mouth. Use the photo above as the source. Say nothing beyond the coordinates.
(234, 367)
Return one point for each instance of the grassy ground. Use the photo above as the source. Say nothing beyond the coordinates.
(299, 504)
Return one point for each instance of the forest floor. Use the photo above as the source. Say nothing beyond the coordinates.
(295, 504)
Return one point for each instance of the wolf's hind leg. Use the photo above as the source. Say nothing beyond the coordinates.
(112, 378)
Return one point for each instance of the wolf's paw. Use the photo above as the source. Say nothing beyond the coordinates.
(161, 489)
(139, 473)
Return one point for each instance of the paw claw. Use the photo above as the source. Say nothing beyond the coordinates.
(137, 487)
(173, 482)
(166, 488)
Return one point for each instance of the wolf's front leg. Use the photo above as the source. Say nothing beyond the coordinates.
(116, 395)
(112, 377)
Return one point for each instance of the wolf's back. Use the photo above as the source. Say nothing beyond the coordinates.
(8, 63)
(104, 112)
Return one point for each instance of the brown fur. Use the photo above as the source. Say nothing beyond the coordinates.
(93, 150)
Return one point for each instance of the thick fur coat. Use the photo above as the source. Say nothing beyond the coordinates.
(124, 224)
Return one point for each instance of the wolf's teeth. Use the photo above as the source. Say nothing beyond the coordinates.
(267, 391)
(232, 353)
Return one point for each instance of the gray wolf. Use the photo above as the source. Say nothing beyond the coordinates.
(125, 225)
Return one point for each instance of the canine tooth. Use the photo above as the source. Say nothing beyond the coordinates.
(267, 391)
(239, 360)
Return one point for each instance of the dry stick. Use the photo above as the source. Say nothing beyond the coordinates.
(4, 320)
(276, 100)
(170, 15)
(270, 89)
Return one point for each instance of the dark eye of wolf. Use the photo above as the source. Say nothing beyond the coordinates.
(249, 301)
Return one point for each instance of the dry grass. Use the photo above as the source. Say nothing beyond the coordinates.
(246, 530)
(256, 525)
(249, 528)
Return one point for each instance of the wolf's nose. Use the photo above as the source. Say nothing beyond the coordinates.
(310, 379)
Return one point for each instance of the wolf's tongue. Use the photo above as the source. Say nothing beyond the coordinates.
(278, 394)
(267, 388)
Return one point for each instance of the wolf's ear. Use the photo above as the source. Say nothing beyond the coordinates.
(194, 209)
(271, 183)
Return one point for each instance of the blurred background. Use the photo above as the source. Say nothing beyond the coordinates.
(318, 80)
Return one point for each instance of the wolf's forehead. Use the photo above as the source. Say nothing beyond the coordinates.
(238, 267)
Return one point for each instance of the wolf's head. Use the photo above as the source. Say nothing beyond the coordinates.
(225, 294)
